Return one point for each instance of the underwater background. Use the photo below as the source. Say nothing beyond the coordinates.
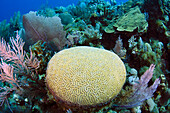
(7, 8)
(85, 56)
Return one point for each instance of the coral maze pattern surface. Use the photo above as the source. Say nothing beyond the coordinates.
(85, 75)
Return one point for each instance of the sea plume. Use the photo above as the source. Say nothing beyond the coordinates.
(15, 63)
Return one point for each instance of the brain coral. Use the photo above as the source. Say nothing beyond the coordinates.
(85, 76)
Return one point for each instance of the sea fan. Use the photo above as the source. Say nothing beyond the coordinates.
(140, 91)
(49, 29)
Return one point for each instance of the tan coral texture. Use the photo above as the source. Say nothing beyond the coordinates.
(85, 75)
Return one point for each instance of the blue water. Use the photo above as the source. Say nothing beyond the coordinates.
(8, 7)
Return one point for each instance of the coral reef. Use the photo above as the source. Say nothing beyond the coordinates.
(74, 37)
(66, 18)
(46, 12)
(90, 35)
(7, 29)
(158, 19)
(87, 34)
(147, 53)
(138, 31)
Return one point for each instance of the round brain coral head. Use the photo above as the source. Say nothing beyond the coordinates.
(85, 76)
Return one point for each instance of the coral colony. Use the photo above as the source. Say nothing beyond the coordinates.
(93, 57)
(92, 72)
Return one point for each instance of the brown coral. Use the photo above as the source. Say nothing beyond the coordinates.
(85, 76)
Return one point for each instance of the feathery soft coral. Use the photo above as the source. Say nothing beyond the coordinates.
(14, 61)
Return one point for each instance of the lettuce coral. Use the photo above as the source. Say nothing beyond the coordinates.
(132, 20)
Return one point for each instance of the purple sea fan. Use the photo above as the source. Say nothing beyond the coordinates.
(140, 91)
